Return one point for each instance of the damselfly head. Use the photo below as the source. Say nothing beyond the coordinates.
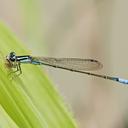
(11, 56)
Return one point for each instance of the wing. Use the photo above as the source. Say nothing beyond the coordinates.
(76, 64)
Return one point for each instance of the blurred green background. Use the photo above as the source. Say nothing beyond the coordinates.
(94, 29)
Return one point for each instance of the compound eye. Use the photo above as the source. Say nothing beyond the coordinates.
(12, 56)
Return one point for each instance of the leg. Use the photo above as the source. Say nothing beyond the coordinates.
(17, 72)
(19, 69)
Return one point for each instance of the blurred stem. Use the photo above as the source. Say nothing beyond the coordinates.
(32, 15)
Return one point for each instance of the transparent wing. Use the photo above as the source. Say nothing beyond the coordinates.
(76, 64)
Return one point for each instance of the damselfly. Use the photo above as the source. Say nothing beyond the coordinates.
(71, 64)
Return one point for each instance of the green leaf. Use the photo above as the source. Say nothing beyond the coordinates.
(5, 120)
(30, 100)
